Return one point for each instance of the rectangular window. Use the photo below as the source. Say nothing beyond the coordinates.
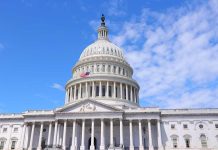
(90, 92)
(110, 91)
(97, 91)
(216, 126)
(172, 126)
(2, 144)
(103, 90)
(185, 126)
(13, 144)
(4, 130)
(15, 130)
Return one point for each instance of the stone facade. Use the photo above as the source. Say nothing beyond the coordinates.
(102, 112)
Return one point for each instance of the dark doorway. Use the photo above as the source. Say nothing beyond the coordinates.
(95, 142)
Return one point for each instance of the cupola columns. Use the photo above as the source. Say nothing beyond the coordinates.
(102, 30)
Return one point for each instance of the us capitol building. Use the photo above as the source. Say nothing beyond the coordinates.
(102, 112)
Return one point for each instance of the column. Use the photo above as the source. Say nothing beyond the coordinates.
(100, 89)
(82, 147)
(114, 90)
(31, 136)
(111, 134)
(71, 93)
(92, 147)
(73, 135)
(55, 134)
(93, 89)
(23, 136)
(74, 92)
(121, 91)
(87, 93)
(102, 145)
(121, 133)
(131, 146)
(127, 95)
(160, 144)
(80, 90)
(64, 135)
(131, 94)
(134, 95)
(141, 147)
(150, 136)
(107, 90)
(66, 97)
(40, 137)
(49, 133)
(58, 135)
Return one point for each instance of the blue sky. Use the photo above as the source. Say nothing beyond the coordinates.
(172, 46)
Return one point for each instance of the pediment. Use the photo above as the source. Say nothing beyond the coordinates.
(87, 106)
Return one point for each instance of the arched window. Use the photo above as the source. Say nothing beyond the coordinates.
(203, 139)
(2, 143)
(174, 141)
(13, 143)
(187, 139)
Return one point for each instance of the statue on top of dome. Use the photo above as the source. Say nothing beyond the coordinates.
(102, 20)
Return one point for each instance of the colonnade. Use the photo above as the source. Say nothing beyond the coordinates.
(102, 146)
(102, 89)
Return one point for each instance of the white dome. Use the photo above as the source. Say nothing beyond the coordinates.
(102, 48)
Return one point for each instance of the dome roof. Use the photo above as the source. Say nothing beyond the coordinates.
(102, 47)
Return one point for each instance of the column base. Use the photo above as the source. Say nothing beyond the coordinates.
(30, 148)
(102, 148)
(141, 148)
(160, 148)
(64, 148)
(151, 148)
(74, 148)
(39, 148)
(131, 147)
(92, 147)
(82, 147)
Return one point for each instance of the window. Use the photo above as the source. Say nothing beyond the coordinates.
(15, 129)
(174, 142)
(203, 141)
(187, 143)
(216, 126)
(185, 126)
(44, 130)
(103, 90)
(2, 143)
(4, 130)
(172, 126)
(110, 91)
(13, 144)
(201, 126)
(90, 92)
(97, 91)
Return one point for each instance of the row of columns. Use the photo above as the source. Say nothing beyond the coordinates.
(101, 68)
(86, 90)
(102, 137)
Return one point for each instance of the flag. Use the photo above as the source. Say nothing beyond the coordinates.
(85, 74)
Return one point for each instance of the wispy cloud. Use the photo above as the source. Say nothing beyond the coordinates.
(58, 87)
(174, 55)
(2, 46)
(115, 7)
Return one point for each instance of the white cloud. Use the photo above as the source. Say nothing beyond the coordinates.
(175, 58)
(58, 87)
(2, 46)
(115, 8)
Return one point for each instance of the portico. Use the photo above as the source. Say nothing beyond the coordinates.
(122, 133)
